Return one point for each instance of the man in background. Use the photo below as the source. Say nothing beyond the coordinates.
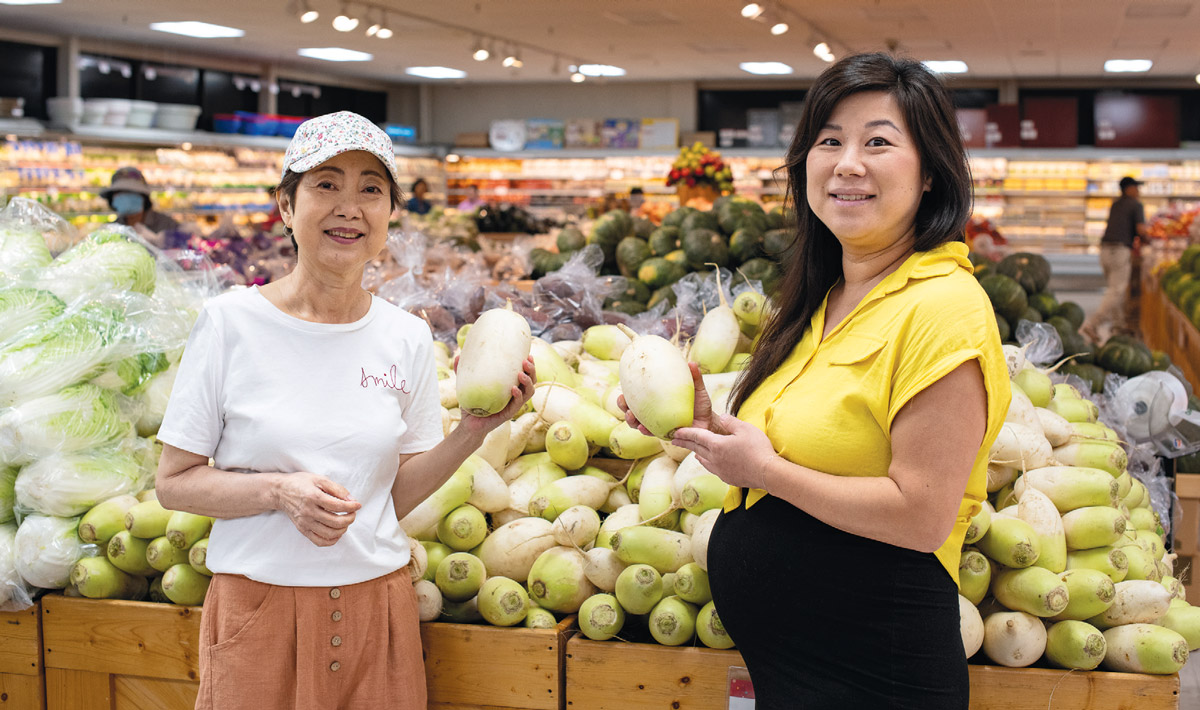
(1126, 222)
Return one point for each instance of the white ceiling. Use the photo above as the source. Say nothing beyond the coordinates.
(665, 39)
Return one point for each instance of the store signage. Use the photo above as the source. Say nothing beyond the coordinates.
(740, 692)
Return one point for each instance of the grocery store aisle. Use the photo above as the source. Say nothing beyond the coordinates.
(1189, 684)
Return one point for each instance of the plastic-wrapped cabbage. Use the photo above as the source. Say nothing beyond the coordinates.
(74, 419)
(24, 307)
(14, 596)
(47, 549)
(62, 352)
(8, 494)
(106, 261)
(153, 400)
(70, 484)
(22, 248)
(129, 374)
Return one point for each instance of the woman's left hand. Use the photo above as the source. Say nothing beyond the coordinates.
(739, 458)
(521, 392)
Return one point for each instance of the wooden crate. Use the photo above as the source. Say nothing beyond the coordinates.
(1164, 327)
(22, 676)
(118, 655)
(611, 676)
(490, 668)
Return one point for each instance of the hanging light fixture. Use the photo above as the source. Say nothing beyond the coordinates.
(480, 53)
(307, 13)
(578, 78)
(512, 59)
(384, 31)
(375, 26)
(779, 28)
(752, 10)
(823, 52)
(345, 22)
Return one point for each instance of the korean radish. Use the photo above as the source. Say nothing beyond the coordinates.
(1135, 602)
(1142, 565)
(1104, 455)
(605, 342)
(970, 626)
(703, 493)
(639, 587)
(549, 364)
(1071, 487)
(1011, 542)
(566, 445)
(491, 360)
(1145, 648)
(665, 550)
(1021, 410)
(602, 568)
(98, 578)
(1033, 590)
(494, 448)
(429, 600)
(489, 493)
(601, 617)
(657, 384)
(577, 526)
(691, 584)
(162, 555)
(974, 575)
(460, 576)
(128, 553)
(628, 443)
(539, 618)
(185, 586)
(1185, 621)
(184, 529)
(147, 520)
(1093, 526)
(512, 548)
(106, 519)
(1109, 560)
(672, 621)
(700, 535)
(558, 403)
(1074, 409)
(453, 493)
(1022, 447)
(1056, 429)
(463, 528)
(623, 517)
(1090, 592)
(557, 581)
(1075, 645)
(1000, 475)
(716, 339)
(522, 436)
(1014, 357)
(1014, 639)
(710, 630)
(534, 479)
(1085, 431)
(749, 307)
(552, 499)
(1036, 384)
(503, 602)
(654, 494)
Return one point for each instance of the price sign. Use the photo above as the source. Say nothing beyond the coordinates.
(740, 692)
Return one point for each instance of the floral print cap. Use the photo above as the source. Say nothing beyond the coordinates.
(319, 139)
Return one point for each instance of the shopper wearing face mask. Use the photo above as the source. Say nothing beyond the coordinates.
(129, 197)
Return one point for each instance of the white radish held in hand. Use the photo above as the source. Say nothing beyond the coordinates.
(657, 384)
(492, 357)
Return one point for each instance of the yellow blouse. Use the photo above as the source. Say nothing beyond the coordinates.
(830, 405)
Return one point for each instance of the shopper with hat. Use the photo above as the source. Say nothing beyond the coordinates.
(318, 405)
(129, 196)
(1126, 222)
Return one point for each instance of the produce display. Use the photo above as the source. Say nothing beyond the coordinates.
(89, 344)
(735, 234)
(1017, 289)
(1181, 282)
(1066, 562)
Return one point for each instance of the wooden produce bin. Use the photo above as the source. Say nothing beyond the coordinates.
(1187, 533)
(1165, 327)
(624, 676)
(22, 676)
(118, 655)
(489, 668)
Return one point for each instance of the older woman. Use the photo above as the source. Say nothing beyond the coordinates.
(318, 405)
(865, 416)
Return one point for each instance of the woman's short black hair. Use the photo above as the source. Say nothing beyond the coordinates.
(419, 181)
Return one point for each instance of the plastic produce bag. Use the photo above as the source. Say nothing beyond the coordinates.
(111, 259)
(29, 234)
(74, 419)
(23, 307)
(70, 484)
(14, 594)
(8, 495)
(1041, 341)
(47, 548)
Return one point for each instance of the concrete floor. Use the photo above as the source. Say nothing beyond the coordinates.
(1189, 684)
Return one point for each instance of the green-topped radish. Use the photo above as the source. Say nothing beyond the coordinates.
(1109, 560)
(97, 578)
(557, 580)
(147, 520)
(700, 536)
(495, 446)
(657, 384)
(1185, 621)
(710, 630)
(704, 493)
(1144, 519)
(1090, 592)
(1073, 409)
(1135, 602)
(1056, 429)
(601, 617)
(1022, 411)
(623, 517)
(1022, 447)
(128, 553)
(539, 618)
(1011, 542)
(1033, 590)
(672, 621)
(716, 339)
(185, 586)
(454, 492)
(1093, 431)
(558, 403)
(489, 493)
(1014, 357)
(603, 568)
(493, 355)
(749, 307)
(184, 529)
(974, 575)
(566, 445)
(606, 342)
(1104, 455)
(999, 476)
(1070, 488)
(549, 365)
(198, 557)
(536, 477)
(552, 499)
(1075, 645)
(691, 584)
(1145, 648)
(639, 587)
(106, 519)
(429, 600)
(665, 550)
(162, 555)
(628, 443)
(1037, 510)
(463, 528)
(503, 602)
(654, 495)
(459, 576)
(460, 336)
(1093, 526)
(1142, 565)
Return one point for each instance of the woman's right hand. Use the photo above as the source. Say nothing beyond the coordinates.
(321, 509)
(703, 417)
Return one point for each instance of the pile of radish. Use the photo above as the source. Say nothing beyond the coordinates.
(1066, 562)
(530, 530)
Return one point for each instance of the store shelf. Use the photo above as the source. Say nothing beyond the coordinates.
(160, 137)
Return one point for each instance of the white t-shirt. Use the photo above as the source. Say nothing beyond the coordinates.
(261, 391)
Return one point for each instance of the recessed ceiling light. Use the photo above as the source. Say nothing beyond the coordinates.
(436, 72)
(779, 28)
(949, 66)
(578, 78)
(30, 2)
(191, 28)
(1128, 65)
(1198, 78)
(752, 10)
(823, 52)
(765, 67)
(600, 70)
(335, 54)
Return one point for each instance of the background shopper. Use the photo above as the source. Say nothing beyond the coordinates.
(129, 196)
(318, 404)
(840, 431)
(417, 204)
(1126, 222)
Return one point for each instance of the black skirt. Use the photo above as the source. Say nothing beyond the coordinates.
(827, 620)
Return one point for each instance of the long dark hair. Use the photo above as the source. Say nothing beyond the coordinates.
(291, 183)
(816, 256)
